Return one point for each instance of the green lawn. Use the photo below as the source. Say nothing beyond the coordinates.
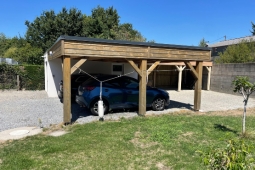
(154, 142)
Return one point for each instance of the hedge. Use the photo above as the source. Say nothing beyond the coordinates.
(31, 76)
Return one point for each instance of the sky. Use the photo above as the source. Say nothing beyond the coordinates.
(180, 22)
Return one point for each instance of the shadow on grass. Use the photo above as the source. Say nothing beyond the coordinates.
(224, 128)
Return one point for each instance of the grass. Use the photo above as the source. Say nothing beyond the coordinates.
(154, 142)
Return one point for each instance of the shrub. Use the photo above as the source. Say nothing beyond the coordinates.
(235, 156)
(31, 76)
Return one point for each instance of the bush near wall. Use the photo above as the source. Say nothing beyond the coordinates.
(31, 77)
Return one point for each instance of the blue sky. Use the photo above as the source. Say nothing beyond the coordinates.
(181, 22)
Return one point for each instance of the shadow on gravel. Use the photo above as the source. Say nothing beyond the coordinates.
(179, 105)
(78, 112)
(224, 128)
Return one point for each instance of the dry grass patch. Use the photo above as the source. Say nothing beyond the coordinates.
(142, 143)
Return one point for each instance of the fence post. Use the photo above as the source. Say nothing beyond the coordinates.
(18, 83)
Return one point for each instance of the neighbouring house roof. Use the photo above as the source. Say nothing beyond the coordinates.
(232, 41)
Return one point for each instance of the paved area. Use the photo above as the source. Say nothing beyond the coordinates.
(21, 119)
(210, 100)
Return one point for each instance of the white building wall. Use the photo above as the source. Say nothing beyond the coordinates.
(53, 75)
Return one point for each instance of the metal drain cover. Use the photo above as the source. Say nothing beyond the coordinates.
(19, 132)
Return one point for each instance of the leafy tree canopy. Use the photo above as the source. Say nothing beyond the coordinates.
(44, 30)
(239, 53)
(202, 43)
(253, 28)
(102, 23)
(25, 54)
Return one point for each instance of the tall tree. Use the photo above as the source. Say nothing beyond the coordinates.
(253, 28)
(202, 43)
(103, 23)
(242, 52)
(44, 30)
(5, 43)
(25, 54)
(126, 32)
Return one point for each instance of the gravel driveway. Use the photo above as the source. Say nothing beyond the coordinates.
(26, 108)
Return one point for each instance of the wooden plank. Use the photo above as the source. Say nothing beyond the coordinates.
(67, 89)
(198, 86)
(193, 63)
(142, 88)
(114, 50)
(105, 47)
(152, 67)
(77, 65)
(105, 54)
(135, 67)
(193, 71)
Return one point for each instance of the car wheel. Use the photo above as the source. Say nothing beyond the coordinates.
(158, 104)
(94, 107)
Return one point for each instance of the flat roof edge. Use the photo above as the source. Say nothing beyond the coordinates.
(122, 42)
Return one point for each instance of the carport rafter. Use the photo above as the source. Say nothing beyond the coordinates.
(70, 47)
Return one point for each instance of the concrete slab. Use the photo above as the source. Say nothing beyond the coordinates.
(19, 133)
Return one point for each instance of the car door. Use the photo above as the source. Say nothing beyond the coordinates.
(114, 93)
(131, 87)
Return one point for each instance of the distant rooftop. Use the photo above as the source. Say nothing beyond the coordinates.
(232, 41)
(8, 61)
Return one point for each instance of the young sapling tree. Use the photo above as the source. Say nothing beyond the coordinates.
(244, 87)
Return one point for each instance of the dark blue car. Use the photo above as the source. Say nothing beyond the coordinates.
(118, 93)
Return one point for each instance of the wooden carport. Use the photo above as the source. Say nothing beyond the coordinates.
(137, 54)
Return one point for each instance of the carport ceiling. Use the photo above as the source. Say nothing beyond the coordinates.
(120, 51)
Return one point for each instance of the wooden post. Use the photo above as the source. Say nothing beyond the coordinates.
(67, 89)
(142, 88)
(198, 85)
(209, 69)
(18, 83)
(180, 69)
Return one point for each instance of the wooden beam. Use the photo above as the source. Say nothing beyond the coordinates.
(135, 67)
(66, 89)
(180, 69)
(193, 71)
(142, 88)
(152, 67)
(198, 86)
(209, 69)
(77, 65)
(193, 63)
